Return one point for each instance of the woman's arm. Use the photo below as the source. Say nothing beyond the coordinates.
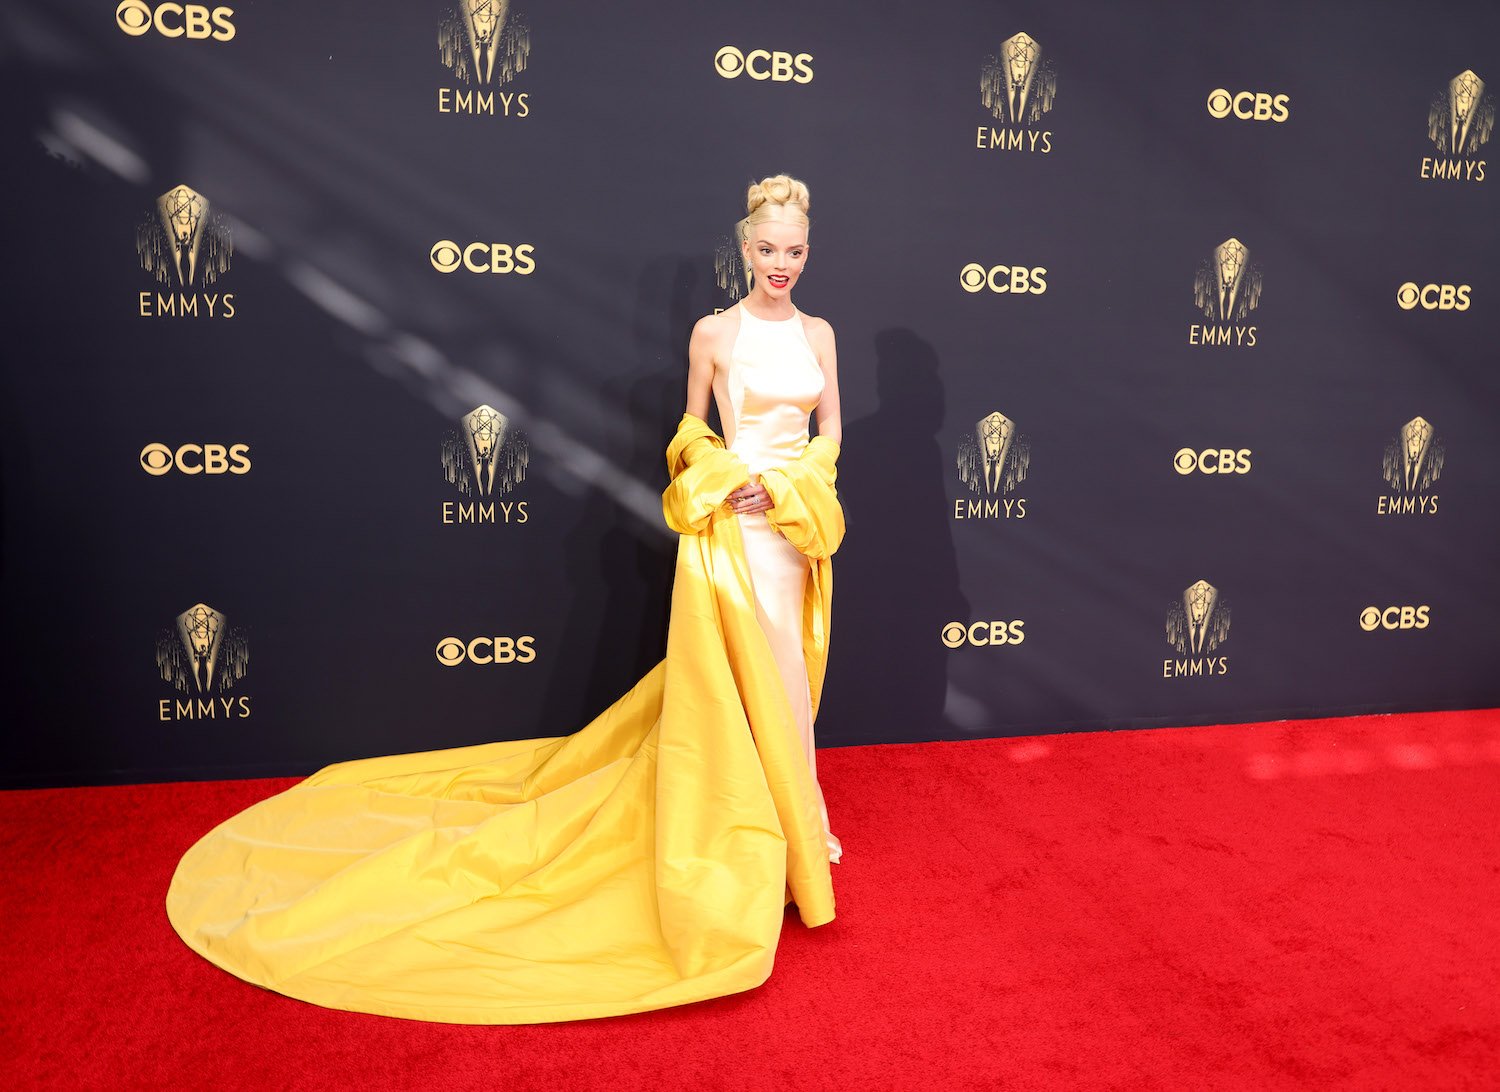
(707, 333)
(700, 384)
(830, 421)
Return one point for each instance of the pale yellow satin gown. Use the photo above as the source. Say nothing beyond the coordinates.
(642, 861)
(764, 396)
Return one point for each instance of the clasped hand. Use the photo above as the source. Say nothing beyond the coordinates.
(749, 498)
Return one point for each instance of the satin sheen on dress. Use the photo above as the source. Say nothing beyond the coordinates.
(642, 862)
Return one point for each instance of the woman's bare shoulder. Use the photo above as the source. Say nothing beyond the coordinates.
(717, 322)
(817, 329)
(714, 333)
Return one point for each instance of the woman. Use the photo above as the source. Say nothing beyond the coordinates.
(645, 860)
(767, 366)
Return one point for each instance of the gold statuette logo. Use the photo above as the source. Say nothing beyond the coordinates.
(993, 460)
(1412, 465)
(485, 458)
(729, 270)
(1226, 290)
(1017, 86)
(485, 44)
(1460, 122)
(184, 246)
(476, 34)
(1196, 626)
(202, 657)
(182, 232)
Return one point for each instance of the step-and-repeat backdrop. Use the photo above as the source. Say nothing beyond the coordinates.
(344, 339)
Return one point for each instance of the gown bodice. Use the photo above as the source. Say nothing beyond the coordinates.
(769, 388)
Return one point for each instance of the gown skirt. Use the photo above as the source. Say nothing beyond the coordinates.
(641, 862)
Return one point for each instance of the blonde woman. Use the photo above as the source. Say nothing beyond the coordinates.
(645, 860)
(767, 366)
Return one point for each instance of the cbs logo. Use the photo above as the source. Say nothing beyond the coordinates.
(1003, 278)
(1373, 618)
(764, 64)
(135, 17)
(1433, 297)
(1248, 105)
(447, 256)
(159, 459)
(452, 651)
(956, 634)
(1222, 460)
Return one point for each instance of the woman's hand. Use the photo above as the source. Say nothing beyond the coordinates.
(749, 498)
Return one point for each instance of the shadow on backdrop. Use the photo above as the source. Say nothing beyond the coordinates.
(896, 576)
(620, 574)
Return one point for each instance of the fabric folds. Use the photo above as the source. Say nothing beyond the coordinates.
(642, 862)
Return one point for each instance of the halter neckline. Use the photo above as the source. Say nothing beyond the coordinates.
(770, 322)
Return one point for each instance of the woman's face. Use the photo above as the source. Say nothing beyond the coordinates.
(775, 253)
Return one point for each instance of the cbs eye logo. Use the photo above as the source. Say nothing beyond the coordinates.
(764, 64)
(159, 459)
(1373, 618)
(1433, 297)
(447, 256)
(957, 634)
(135, 17)
(1222, 460)
(1016, 279)
(1248, 105)
(452, 651)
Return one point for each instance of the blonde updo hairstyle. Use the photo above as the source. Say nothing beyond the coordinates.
(779, 197)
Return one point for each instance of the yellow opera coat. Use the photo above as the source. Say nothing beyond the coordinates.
(642, 862)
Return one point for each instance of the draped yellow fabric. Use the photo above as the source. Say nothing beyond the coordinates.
(641, 862)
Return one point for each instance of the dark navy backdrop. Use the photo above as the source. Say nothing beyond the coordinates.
(314, 132)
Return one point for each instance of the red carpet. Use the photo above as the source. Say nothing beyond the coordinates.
(1308, 904)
